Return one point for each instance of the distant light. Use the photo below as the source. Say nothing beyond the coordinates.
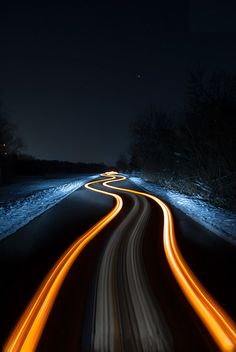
(109, 173)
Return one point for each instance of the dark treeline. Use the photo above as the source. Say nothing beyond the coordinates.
(192, 151)
(27, 166)
(10, 142)
(13, 163)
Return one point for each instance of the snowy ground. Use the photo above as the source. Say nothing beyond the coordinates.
(217, 220)
(23, 201)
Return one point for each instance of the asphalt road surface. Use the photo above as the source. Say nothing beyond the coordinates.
(97, 273)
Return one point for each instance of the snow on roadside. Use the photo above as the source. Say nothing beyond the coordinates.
(16, 214)
(217, 220)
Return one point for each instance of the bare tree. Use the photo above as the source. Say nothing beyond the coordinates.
(198, 146)
(153, 141)
(10, 143)
(209, 125)
(122, 163)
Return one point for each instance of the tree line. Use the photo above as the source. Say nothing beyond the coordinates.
(192, 151)
(14, 163)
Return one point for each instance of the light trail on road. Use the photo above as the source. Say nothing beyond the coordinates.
(27, 332)
(126, 315)
(216, 320)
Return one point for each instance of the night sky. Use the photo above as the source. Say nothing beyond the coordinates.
(74, 74)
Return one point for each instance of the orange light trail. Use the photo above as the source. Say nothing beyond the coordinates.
(26, 335)
(27, 332)
(216, 320)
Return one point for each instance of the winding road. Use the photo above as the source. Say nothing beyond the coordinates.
(125, 314)
(141, 294)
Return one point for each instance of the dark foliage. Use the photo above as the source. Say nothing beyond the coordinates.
(122, 163)
(13, 163)
(194, 152)
(35, 167)
(10, 143)
(23, 165)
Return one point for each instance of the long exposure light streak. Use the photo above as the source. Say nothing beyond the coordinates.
(27, 332)
(216, 320)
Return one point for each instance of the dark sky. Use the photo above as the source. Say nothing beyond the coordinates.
(74, 74)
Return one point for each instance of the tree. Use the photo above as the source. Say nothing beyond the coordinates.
(153, 141)
(10, 143)
(209, 124)
(193, 153)
(122, 163)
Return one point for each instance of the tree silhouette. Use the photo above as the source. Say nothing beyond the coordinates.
(194, 152)
(10, 143)
(153, 141)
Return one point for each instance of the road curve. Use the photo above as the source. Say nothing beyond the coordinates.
(26, 335)
(126, 317)
(216, 320)
(27, 332)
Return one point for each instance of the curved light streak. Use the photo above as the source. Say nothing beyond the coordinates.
(26, 335)
(216, 320)
(27, 332)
